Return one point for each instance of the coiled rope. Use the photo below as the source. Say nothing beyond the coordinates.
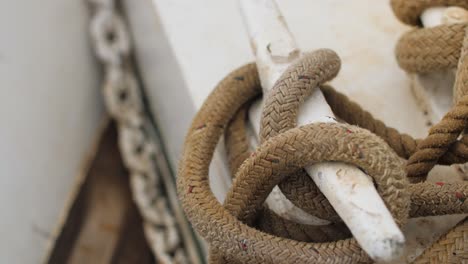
(243, 231)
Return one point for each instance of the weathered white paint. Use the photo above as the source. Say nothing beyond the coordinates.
(50, 109)
(433, 16)
(350, 191)
(454, 14)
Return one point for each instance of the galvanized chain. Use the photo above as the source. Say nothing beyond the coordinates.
(140, 151)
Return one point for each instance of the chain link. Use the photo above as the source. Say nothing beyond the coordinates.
(123, 99)
(110, 36)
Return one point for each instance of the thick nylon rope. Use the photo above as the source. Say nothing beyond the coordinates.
(410, 11)
(282, 104)
(229, 229)
(428, 199)
(434, 49)
(280, 112)
(217, 224)
(238, 150)
(340, 104)
(450, 248)
(294, 86)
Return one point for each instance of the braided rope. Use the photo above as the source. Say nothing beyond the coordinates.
(227, 228)
(280, 114)
(215, 223)
(423, 195)
(243, 230)
(451, 248)
(428, 50)
(435, 49)
(409, 11)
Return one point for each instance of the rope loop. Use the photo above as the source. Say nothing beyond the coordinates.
(410, 11)
(242, 230)
(216, 223)
(425, 50)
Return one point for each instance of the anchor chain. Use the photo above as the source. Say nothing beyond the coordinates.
(141, 152)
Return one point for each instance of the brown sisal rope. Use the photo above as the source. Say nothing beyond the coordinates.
(244, 231)
(450, 248)
(342, 107)
(434, 49)
(218, 225)
(215, 223)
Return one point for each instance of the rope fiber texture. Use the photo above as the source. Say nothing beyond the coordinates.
(243, 230)
(429, 50)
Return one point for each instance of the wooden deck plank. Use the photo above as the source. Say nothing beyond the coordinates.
(103, 225)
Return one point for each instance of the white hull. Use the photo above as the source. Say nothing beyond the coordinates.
(50, 108)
